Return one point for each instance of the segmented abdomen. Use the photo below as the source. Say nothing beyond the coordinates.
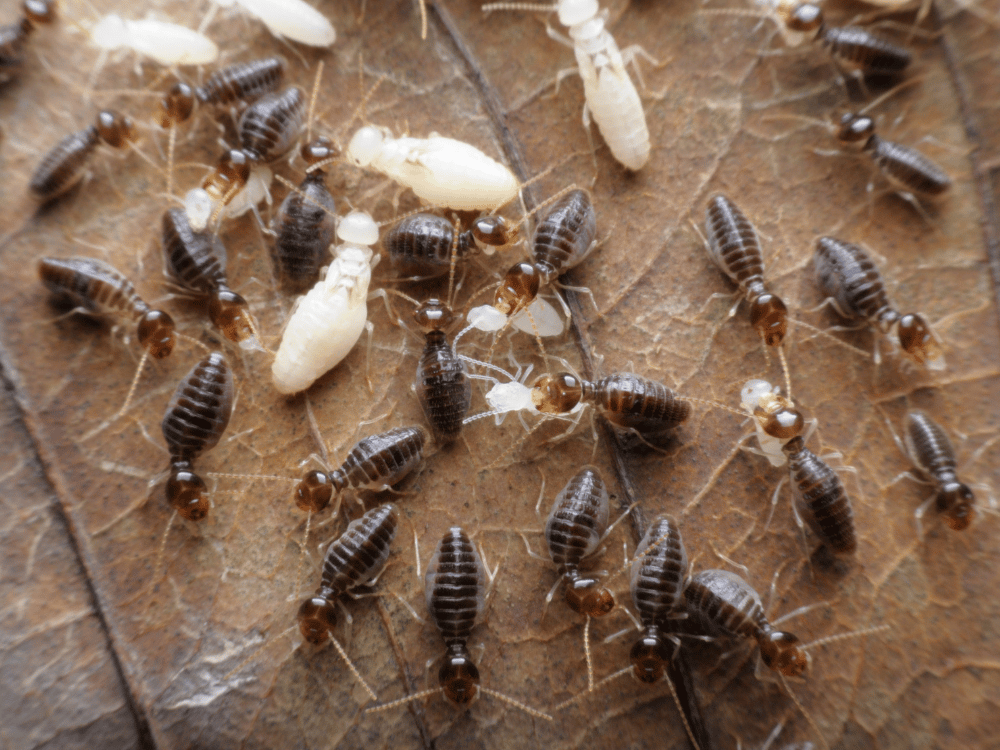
(269, 126)
(726, 601)
(361, 551)
(845, 272)
(454, 586)
(243, 81)
(631, 401)
(908, 167)
(578, 518)
(196, 260)
(443, 387)
(929, 444)
(857, 46)
(64, 165)
(199, 411)
(734, 245)
(306, 225)
(420, 245)
(92, 284)
(565, 235)
(821, 499)
(657, 577)
(381, 459)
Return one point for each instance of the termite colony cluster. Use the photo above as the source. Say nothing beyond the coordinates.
(348, 311)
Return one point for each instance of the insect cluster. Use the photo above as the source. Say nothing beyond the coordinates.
(359, 284)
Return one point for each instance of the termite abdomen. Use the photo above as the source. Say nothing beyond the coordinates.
(242, 82)
(305, 226)
(821, 498)
(872, 54)
(352, 560)
(932, 451)
(908, 167)
(633, 402)
(566, 234)
(65, 164)
(442, 381)
(196, 417)
(197, 260)
(846, 273)
(421, 245)
(270, 125)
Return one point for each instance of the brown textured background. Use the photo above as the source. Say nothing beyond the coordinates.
(95, 653)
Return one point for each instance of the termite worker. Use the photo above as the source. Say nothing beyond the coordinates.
(611, 97)
(326, 323)
(295, 20)
(166, 43)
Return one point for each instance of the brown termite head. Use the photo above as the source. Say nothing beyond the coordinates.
(854, 128)
(518, 289)
(114, 128)
(157, 333)
(314, 492)
(230, 314)
(176, 106)
(434, 315)
(917, 340)
(955, 501)
(781, 652)
(39, 11)
(491, 232)
(769, 317)
(776, 415)
(459, 676)
(586, 596)
(319, 150)
(802, 17)
(317, 616)
(230, 174)
(649, 656)
(556, 394)
(186, 493)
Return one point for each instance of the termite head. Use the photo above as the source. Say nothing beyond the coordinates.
(317, 617)
(955, 501)
(572, 12)
(518, 289)
(230, 314)
(156, 333)
(230, 175)
(491, 232)
(854, 128)
(186, 493)
(176, 105)
(314, 492)
(586, 596)
(319, 151)
(114, 128)
(458, 676)
(804, 17)
(649, 656)
(782, 653)
(775, 414)
(434, 315)
(917, 340)
(769, 317)
(39, 11)
(366, 145)
(358, 228)
(109, 33)
(556, 394)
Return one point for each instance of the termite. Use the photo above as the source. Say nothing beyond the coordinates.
(455, 592)
(196, 417)
(13, 36)
(846, 274)
(166, 43)
(66, 163)
(420, 245)
(295, 20)
(327, 322)
(196, 261)
(611, 97)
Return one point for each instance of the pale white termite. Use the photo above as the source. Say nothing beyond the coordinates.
(166, 43)
(611, 97)
(440, 170)
(326, 323)
(295, 20)
(775, 418)
(202, 209)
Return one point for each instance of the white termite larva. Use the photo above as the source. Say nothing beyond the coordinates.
(295, 20)
(166, 43)
(611, 97)
(326, 323)
(440, 170)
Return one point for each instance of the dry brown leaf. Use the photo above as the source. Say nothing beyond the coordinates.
(227, 588)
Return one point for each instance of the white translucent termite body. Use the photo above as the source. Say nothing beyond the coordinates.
(327, 322)
(295, 20)
(166, 43)
(611, 97)
(202, 209)
(538, 318)
(442, 171)
(774, 417)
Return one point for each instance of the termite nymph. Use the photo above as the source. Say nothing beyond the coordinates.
(196, 417)
(64, 165)
(442, 380)
(358, 556)
(820, 498)
(272, 124)
(931, 451)
(776, 419)
(734, 246)
(846, 274)
(376, 462)
(420, 246)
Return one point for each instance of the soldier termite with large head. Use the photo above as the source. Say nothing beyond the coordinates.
(455, 592)
(14, 36)
(846, 274)
(327, 321)
(196, 261)
(611, 97)
(66, 163)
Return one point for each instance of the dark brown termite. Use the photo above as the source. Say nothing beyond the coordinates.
(196, 417)
(13, 36)
(197, 262)
(442, 381)
(271, 125)
(846, 274)
(66, 163)
(734, 246)
(820, 498)
(931, 451)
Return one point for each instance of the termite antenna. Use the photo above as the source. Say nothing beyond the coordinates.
(680, 711)
(802, 709)
(257, 653)
(710, 403)
(890, 93)
(580, 696)
(163, 546)
(516, 445)
(834, 339)
(312, 101)
(527, 7)
(454, 259)
(423, 20)
(586, 653)
(496, 337)
(516, 704)
(302, 551)
(402, 701)
(844, 636)
(788, 377)
(350, 666)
